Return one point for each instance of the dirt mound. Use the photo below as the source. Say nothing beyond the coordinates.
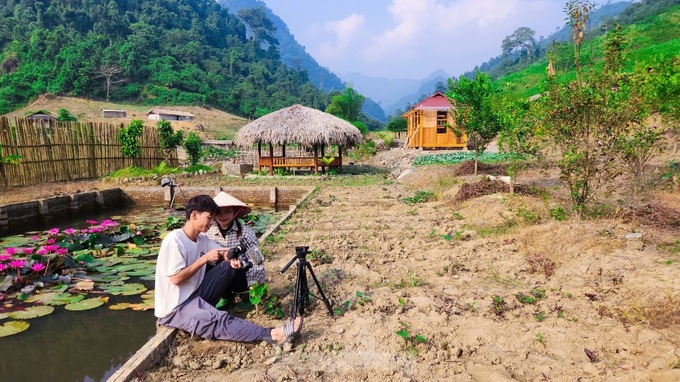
(468, 168)
(653, 215)
(487, 187)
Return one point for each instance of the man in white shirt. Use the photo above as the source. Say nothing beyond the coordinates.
(186, 293)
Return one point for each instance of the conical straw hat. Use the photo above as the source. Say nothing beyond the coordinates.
(225, 200)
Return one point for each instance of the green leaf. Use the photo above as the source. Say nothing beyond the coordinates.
(86, 304)
(13, 327)
(403, 333)
(32, 312)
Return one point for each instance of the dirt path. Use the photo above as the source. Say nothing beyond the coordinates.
(447, 275)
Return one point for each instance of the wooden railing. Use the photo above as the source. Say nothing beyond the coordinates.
(295, 162)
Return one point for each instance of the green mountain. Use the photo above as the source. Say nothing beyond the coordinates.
(295, 56)
(189, 52)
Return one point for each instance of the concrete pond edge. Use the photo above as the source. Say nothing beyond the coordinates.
(154, 349)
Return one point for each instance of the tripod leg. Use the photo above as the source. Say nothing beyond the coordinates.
(298, 289)
(318, 287)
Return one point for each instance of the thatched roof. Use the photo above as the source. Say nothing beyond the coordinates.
(299, 124)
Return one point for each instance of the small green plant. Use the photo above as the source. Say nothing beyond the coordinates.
(532, 297)
(412, 212)
(402, 302)
(419, 197)
(342, 308)
(362, 298)
(498, 305)
(527, 215)
(540, 338)
(540, 316)
(457, 216)
(558, 213)
(319, 256)
(413, 280)
(411, 340)
(270, 305)
(129, 139)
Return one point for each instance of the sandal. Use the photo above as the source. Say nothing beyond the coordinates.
(289, 329)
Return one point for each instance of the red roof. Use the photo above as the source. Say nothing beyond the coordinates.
(436, 101)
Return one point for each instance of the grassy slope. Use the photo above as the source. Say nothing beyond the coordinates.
(217, 124)
(656, 38)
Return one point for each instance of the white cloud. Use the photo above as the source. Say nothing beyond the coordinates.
(421, 31)
(345, 33)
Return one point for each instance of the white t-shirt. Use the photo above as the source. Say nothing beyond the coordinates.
(178, 252)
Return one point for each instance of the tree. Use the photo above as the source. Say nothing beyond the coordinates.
(169, 140)
(596, 118)
(521, 39)
(108, 72)
(129, 139)
(397, 124)
(519, 135)
(346, 105)
(65, 116)
(193, 144)
(473, 111)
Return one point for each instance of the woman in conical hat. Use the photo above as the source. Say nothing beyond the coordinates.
(229, 232)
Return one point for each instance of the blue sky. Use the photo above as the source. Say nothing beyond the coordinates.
(411, 38)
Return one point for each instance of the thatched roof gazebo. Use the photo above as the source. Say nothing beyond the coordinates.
(300, 125)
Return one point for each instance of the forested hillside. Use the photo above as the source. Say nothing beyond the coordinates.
(148, 51)
(296, 57)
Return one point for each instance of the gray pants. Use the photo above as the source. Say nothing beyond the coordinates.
(198, 315)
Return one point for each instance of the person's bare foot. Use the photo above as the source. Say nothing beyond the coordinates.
(278, 334)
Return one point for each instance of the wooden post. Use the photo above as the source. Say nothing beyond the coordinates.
(340, 157)
(271, 159)
(259, 155)
(316, 165)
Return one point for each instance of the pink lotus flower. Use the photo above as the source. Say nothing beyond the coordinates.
(51, 240)
(5, 257)
(139, 233)
(11, 250)
(42, 251)
(53, 231)
(17, 263)
(37, 267)
(27, 250)
(84, 230)
(109, 223)
(35, 238)
(62, 251)
(91, 222)
(51, 248)
(2, 267)
(69, 231)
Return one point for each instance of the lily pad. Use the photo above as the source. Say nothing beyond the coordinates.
(126, 290)
(13, 327)
(86, 304)
(3, 316)
(32, 312)
(53, 298)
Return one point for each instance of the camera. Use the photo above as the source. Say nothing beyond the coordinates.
(239, 252)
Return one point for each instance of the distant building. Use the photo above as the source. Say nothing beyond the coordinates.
(41, 118)
(169, 115)
(112, 113)
(428, 125)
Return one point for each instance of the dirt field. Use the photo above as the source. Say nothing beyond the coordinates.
(487, 289)
(484, 288)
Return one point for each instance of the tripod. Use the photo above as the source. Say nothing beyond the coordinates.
(301, 287)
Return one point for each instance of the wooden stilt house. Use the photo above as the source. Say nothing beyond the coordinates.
(428, 125)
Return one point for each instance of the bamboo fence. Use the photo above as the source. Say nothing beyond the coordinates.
(51, 151)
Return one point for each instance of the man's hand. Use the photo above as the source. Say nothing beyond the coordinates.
(235, 263)
(215, 255)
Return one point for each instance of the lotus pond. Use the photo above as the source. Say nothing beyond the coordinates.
(76, 300)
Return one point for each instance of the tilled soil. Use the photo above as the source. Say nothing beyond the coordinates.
(487, 289)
